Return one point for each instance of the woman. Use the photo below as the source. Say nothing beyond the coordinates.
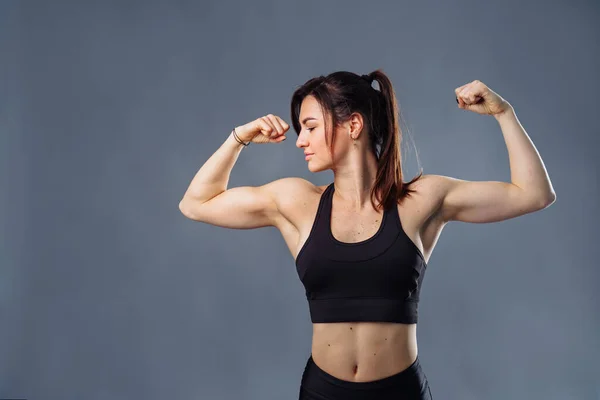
(361, 243)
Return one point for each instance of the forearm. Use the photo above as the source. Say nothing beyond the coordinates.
(527, 169)
(212, 178)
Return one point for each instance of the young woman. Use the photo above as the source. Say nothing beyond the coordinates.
(362, 243)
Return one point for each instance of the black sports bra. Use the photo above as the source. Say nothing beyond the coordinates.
(377, 279)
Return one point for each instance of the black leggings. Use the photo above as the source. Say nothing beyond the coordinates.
(409, 384)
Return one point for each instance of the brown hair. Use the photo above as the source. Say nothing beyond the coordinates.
(342, 93)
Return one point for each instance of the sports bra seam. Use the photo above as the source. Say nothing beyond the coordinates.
(372, 258)
(366, 297)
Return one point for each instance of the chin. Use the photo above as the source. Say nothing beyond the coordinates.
(316, 168)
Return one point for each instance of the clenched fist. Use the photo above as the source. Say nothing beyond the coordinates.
(267, 129)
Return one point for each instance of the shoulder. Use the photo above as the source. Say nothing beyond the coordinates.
(290, 190)
(435, 182)
(427, 184)
(294, 184)
(295, 199)
(432, 189)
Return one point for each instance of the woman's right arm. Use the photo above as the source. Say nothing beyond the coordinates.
(207, 198)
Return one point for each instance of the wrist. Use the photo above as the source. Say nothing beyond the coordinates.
(236, 137)
(507, 111)
(231, 141)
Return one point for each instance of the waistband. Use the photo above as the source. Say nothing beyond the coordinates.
(404, 377)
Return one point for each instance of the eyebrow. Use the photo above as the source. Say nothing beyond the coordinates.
(306, 119)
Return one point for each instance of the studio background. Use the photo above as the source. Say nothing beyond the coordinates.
(108, 110)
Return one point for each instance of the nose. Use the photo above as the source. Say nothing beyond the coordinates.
(301, 141)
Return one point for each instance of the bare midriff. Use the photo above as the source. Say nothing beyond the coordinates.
(364, 351)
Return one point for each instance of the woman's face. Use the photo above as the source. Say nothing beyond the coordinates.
(312, 136)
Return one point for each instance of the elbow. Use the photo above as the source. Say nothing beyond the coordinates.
(185, 209)
(548, 200)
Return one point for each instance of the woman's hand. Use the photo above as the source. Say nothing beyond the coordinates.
(267, 129)
(479, 98)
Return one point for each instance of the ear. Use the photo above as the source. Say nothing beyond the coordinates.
(356, 125)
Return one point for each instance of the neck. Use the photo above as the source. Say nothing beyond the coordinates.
(354, 180)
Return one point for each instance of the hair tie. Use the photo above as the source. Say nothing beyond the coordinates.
(367, 78)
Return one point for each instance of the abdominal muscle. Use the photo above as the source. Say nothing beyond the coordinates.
(364, 351)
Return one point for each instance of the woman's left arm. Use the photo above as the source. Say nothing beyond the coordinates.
(530, 188)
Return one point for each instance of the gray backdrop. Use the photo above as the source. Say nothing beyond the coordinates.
(108, 110)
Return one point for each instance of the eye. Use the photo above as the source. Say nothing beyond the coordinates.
(310, 129)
